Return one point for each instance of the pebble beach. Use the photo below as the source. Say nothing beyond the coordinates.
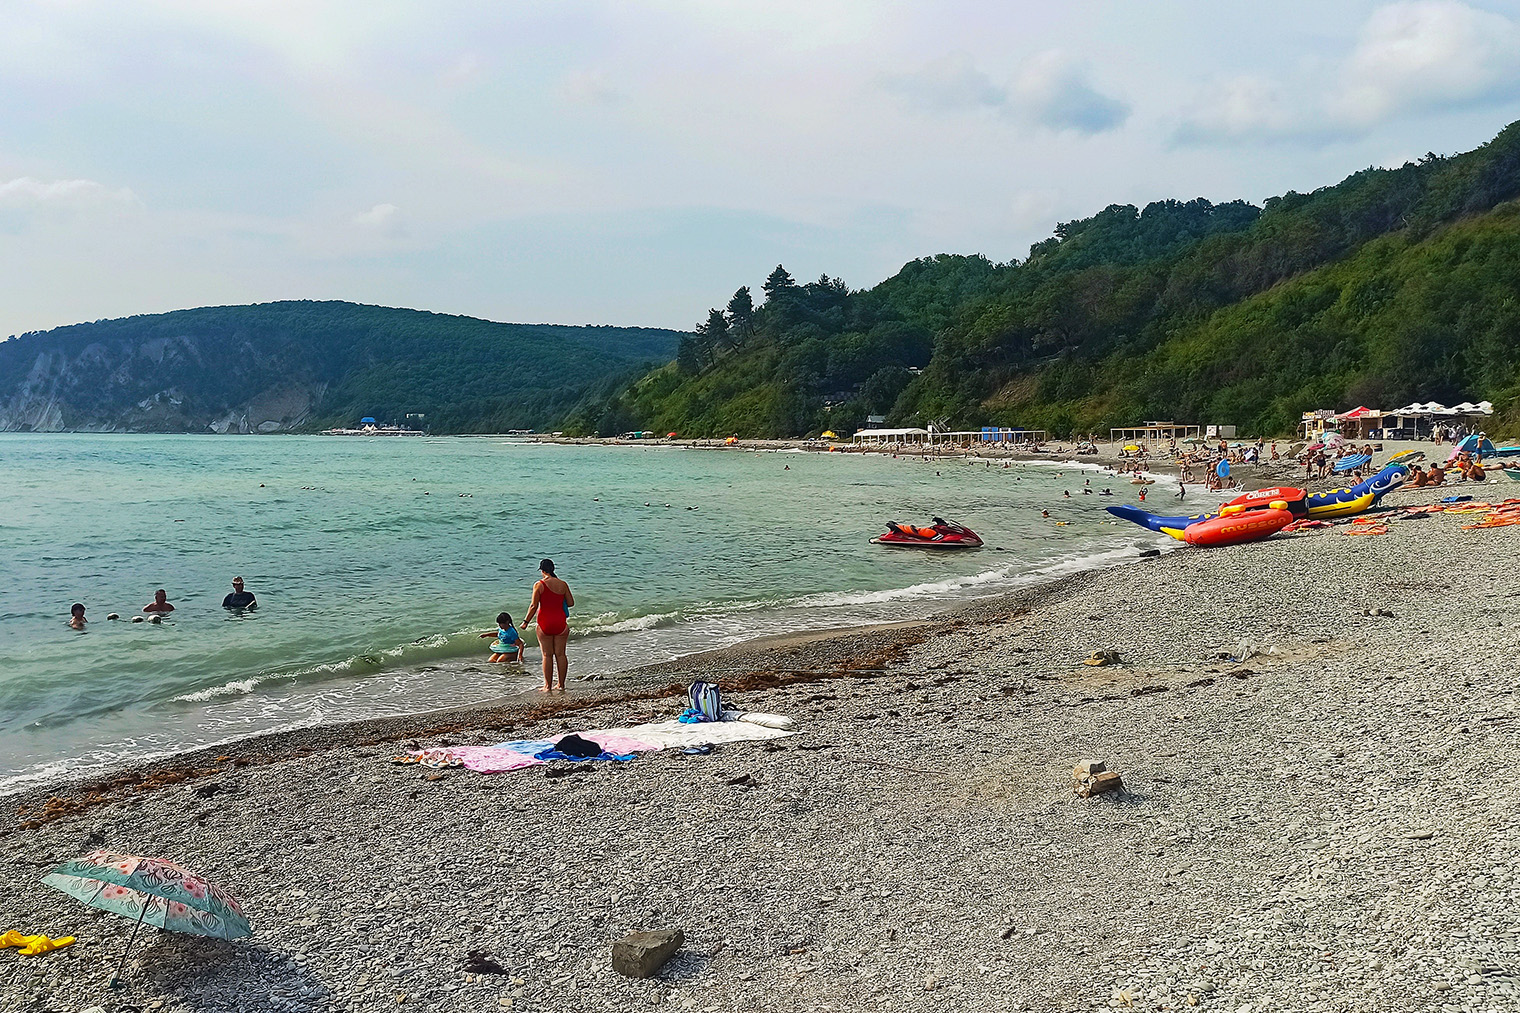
(1314, 733)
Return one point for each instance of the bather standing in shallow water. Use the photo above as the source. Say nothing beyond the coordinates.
(551, 605)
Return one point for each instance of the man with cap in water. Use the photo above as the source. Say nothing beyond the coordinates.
(239, 599)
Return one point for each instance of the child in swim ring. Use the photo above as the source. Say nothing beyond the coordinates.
(509, 643)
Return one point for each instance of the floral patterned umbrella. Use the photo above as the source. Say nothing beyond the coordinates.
(152, 891)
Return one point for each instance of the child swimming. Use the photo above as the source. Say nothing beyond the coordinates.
(509, 643)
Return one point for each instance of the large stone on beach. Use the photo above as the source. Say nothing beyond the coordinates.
(1092, 777)
(642, 954)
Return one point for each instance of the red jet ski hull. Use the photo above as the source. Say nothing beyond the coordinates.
(950, 537)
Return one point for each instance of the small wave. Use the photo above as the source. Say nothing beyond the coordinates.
(237, 687)
(836, 599)
(599, 626)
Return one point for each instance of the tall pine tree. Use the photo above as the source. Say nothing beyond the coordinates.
(741, 316)
(779, 285)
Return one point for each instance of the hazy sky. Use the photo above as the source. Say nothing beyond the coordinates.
(617, 161)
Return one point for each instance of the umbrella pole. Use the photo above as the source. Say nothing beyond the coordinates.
(116, 978)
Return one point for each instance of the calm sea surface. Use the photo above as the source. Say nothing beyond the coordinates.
(377, 561)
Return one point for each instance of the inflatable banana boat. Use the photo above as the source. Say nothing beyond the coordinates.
(1236, 528)
(1319, 506)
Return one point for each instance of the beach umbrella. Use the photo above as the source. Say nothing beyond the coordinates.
(670, 436)
(830, 434)
(151, 891)
(1131, 448)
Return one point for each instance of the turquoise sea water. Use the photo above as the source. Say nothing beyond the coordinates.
(376, 562)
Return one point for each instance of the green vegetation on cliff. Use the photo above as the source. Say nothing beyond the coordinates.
(1391, 286)
(310, 365)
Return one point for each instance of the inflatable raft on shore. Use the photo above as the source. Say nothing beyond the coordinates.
(1317, 506)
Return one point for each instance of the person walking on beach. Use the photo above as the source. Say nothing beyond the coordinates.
(551, 605)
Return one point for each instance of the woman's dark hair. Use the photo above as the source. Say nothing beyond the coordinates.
(547, 566)
(504, 620)
(77, 606)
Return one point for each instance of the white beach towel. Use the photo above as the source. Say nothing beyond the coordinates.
(676, 735)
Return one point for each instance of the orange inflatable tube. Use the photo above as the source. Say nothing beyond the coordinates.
(1237, 528)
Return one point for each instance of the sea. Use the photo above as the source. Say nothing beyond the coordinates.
(378, 561)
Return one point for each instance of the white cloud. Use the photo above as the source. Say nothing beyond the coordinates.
(71, 194)
(1426, 54)
(1242, 106)
(1410, 57)
(1054, 91)
(381, 218)
(1050, 90)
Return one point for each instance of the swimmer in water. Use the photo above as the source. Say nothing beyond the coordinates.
(1044, 513)
(76, 616)
(239, 599)
(160, 602)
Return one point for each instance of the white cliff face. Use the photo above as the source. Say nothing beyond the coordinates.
(156, 385)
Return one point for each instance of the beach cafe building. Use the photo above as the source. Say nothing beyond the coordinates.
(883, 437)
(1156, 432)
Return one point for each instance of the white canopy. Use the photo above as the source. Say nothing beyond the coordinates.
(1436, 408)
(889, 433)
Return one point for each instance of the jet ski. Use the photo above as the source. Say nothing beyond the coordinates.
(942, 535)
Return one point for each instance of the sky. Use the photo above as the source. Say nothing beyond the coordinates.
(628, 162)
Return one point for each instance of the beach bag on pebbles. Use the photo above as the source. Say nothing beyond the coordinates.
(706, 701)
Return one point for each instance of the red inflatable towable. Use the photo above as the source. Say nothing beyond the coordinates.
(1297, 500)
(1236, 528)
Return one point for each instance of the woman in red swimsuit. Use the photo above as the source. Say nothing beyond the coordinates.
(551, 604)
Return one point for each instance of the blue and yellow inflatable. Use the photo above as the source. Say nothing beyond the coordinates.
(1322, 505)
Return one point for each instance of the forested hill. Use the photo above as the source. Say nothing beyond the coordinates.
(306, 365)
(1392, 286)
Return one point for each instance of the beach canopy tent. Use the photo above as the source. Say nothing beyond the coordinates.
(1159, 431)
(989, 434)
(1415, 421)
(367, 421)
(877, 437)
